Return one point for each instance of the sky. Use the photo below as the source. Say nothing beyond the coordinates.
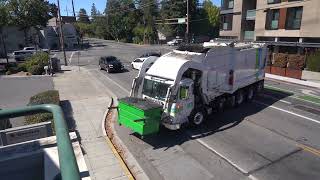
(66, 6)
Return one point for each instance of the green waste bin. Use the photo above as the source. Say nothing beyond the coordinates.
(140, 115)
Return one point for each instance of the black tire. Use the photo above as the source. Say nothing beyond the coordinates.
(231, 101)
(197, 117)
(250, 94)
(260, 87)
(220, 104)
(240, 97)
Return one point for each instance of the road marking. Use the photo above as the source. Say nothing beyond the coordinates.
(287, 102)
(293, 96)
(310, 149)
(216, 152)
(70, 59)
(122, 163)
(125, 90)
(54, 55)
(289, 112)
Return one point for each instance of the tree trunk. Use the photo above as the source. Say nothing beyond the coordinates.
(25, 37)
(4, 48)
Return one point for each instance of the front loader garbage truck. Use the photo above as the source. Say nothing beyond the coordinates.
(192, 82)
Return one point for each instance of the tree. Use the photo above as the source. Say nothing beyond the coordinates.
(94, 11)
(83, 17)
(29, 13)
(4, 21)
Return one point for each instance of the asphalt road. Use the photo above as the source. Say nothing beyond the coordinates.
(274, 137)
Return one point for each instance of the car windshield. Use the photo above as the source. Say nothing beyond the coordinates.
(111, 59)
(155, 89)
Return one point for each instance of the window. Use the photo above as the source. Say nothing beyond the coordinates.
(226, 22)
(272, 19)
(294, 16)
(273, 1)
(227, 4)
(155, 89)
(137, 60)
(183, 94)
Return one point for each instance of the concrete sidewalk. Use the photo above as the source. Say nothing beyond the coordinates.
(88, 102)
(292, 80)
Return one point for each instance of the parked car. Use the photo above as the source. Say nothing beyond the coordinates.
(137, 63)
(110, 64)
(174, 42)
(22, 55)
(27, 52)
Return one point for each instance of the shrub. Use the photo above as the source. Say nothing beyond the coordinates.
(280, 60)
(46, 97)
(22, 67)
(313, 62)
(36, 63)
(296, 61)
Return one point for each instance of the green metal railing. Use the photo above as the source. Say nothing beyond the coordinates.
(68, 163)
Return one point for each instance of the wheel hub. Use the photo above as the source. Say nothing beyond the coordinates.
(198, 118)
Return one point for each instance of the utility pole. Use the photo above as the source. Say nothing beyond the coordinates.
(187, 22)
(74, 14)
(61, 36)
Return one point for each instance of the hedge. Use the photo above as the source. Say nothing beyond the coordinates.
(313, 62)
(35, 64)
(280, 60)
(296, 61)
(46, 97)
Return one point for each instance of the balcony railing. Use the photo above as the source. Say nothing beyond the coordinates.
(68, 163)
(251, 14)
(248, 35)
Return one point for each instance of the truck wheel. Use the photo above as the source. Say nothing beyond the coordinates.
(250, 94)
(197, 117)
(260, 86)
(220, 104)
(239, 97)
(232, 101)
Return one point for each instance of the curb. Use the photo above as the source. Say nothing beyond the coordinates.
(121, 148)
(291, 80)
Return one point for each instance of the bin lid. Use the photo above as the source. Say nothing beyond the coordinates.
(140, 103)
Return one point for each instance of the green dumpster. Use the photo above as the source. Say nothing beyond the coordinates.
(140, 115)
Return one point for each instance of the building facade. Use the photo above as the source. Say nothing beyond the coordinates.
(280, 22)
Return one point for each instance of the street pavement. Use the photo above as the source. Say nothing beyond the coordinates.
(85, 102)
(274, 137)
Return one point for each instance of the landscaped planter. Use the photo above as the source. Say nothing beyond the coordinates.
(278, 71)
(267, 69)
(293, 73)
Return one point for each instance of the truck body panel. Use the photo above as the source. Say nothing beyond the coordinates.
(190, 84)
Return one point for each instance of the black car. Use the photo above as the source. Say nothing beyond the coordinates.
(148, 54)
(110, 64)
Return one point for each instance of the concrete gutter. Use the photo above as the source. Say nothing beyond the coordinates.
(108, 128)
(292, 80)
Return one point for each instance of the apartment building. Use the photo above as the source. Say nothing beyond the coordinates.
(279, 22)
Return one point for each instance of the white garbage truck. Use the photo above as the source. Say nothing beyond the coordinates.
(193, 81)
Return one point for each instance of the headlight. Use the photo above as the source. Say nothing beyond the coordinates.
(110, 65)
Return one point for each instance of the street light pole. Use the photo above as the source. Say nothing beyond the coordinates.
(61, 36)
(187, 22)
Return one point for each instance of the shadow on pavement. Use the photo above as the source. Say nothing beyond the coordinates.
(68, 114)
(215, 123)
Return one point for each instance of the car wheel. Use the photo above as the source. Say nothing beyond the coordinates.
(197, 117)
(108, 70)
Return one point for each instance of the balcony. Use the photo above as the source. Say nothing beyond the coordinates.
(248, 35)
(251, 14)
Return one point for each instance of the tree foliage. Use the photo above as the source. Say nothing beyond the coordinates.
(83, 16)
(138, 20)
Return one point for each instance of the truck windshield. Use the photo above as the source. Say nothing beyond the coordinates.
(155, 89)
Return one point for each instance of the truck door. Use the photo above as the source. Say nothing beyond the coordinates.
(185, 101)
